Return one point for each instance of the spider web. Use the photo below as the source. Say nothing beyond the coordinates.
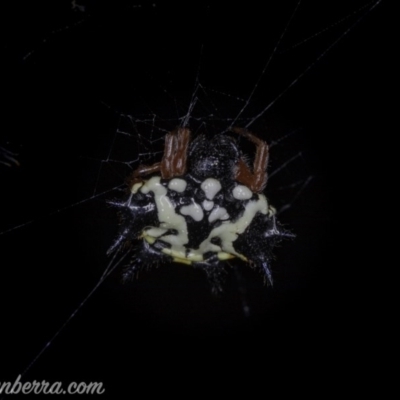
(92, 92)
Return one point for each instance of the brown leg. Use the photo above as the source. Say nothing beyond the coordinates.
(174, 159)
(256, 179)
(141, 171)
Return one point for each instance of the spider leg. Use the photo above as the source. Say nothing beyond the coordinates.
(256, 179)
(143, 170)
(174, 159)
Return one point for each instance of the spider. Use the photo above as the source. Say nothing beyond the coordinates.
(200, 205)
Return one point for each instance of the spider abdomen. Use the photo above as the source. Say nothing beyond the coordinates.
(188, 230)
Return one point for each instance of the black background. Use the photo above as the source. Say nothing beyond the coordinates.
(68, 77)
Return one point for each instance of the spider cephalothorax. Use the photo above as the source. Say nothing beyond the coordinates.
(200, 205)
(216, 157)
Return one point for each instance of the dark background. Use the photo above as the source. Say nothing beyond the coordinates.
(70, 77)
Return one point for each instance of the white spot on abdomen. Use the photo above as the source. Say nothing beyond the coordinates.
(156, 232)
(207, 205)
(136, 187)
(178, 185)
(242, 193)
(194, 211)
(211, 187)
(218, 213)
